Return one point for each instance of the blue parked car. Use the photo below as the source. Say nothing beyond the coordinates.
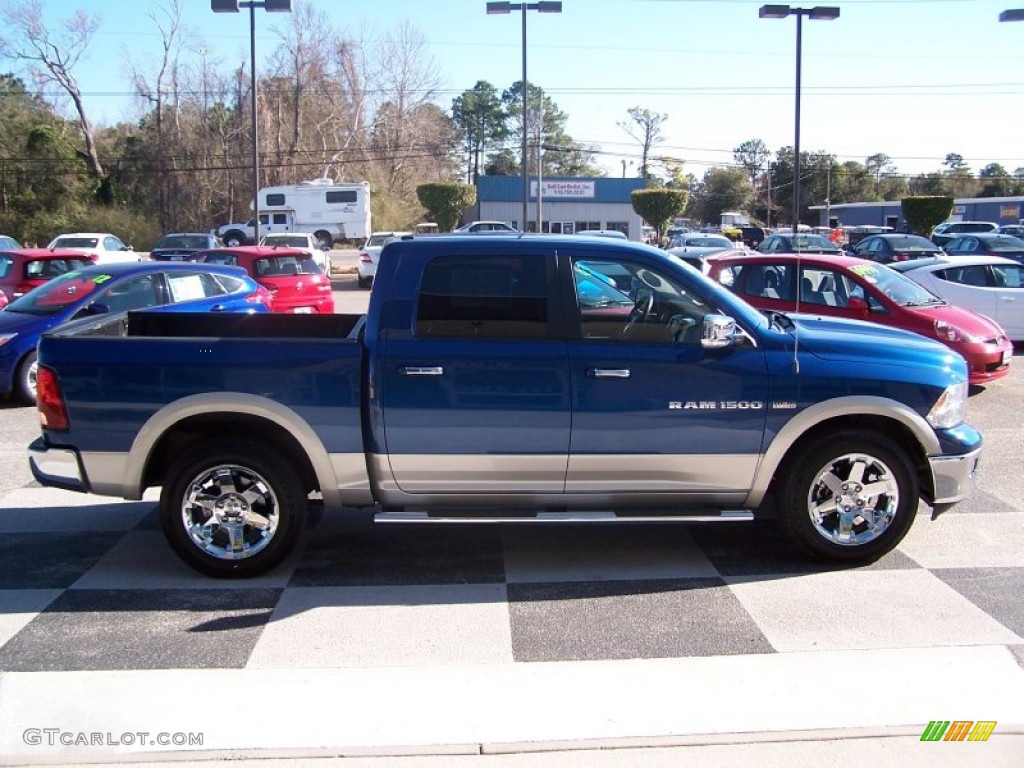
(179, 287)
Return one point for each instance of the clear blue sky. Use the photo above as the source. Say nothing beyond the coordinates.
(915, 79)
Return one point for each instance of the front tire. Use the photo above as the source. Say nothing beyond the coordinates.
(26, 380)
(324, 238)
(850, 497)
(234, 238)
(231, 509)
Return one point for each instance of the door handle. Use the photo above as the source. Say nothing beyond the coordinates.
(608, 373)
(422, 370)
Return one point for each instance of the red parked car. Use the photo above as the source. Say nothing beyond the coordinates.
(843, 286)
(298, 285)
(22, 269)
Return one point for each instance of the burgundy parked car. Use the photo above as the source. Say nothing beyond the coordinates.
(843, 286)
(299, 286)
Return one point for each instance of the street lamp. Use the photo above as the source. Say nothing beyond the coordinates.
(781, 12)
(271, 6)
(505, 8)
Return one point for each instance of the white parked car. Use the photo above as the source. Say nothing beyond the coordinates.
(366, 266)
(306, 242)
(108, 248)
(484, 227)
(990, 285)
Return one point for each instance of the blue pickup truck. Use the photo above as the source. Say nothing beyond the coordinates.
(509, 379)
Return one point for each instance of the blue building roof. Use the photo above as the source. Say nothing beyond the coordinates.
(494, 189)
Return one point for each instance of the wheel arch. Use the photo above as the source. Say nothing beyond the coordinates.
(875, 416)
(191, 420)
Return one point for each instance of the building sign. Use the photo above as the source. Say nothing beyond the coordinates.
(959, 210)
(563, 189)
(1009, 212)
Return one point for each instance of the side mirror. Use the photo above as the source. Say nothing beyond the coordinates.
(718, 331)
(858, 305)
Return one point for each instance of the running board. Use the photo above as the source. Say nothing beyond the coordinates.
(725, 516)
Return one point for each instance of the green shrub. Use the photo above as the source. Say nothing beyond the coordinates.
(445, 202)
(923, 213)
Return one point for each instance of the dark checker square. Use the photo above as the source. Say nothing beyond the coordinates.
(103, 629)
(762, 549)
(573, 621)
(997, 591)
(50, 560)
(389, 555)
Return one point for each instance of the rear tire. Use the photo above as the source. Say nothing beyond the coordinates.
(849, 497)
(232, 509)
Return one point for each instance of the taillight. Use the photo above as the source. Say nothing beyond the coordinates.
(365, 258)
(901, 257)
(50, 400)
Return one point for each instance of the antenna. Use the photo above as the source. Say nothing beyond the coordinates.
(799, 290)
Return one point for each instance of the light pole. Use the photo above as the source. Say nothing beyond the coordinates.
(505, 8)
(271, 6)
(781, 12)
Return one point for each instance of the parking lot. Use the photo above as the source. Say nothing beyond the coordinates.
(472, 639)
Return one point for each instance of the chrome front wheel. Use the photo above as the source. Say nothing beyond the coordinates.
(849, 497)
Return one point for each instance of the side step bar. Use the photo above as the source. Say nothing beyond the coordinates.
(725, 516)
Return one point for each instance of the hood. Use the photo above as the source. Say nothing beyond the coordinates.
(972, 323)
(19, 322)
(856, 341)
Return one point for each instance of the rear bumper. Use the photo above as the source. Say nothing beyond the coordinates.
(56, 467)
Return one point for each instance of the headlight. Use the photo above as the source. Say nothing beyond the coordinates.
(949, 409)
(5, 337)
(948, 332)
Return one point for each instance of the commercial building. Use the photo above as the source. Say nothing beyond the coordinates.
(1001, 210)
(568, 205)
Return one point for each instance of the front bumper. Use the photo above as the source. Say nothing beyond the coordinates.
(56, 467)
(954, 478)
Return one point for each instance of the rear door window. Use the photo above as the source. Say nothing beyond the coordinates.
(493, 298)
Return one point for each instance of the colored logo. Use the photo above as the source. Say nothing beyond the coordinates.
(958, 730)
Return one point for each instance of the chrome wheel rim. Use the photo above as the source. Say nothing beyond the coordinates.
(31, 375)
(853, 499)
(230, 512)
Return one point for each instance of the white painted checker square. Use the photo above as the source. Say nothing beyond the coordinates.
(387, 626)
(865, 609)
(612, 552)
(144, 560)
(977, 540)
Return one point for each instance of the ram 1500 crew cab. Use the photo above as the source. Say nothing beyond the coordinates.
(513, 378)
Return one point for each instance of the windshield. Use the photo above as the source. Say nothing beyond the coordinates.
(812, 243)
(376, 240)
(901, 289)
(912, 243)
(44, 269)
(75, 242)
(286, 240)
(1008, 244)
(286, 266)
(183, 241)
(707, 242)
(58, 294)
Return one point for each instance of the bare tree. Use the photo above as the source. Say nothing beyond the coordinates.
(645, 127)
(51, 57)
(153, 88)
